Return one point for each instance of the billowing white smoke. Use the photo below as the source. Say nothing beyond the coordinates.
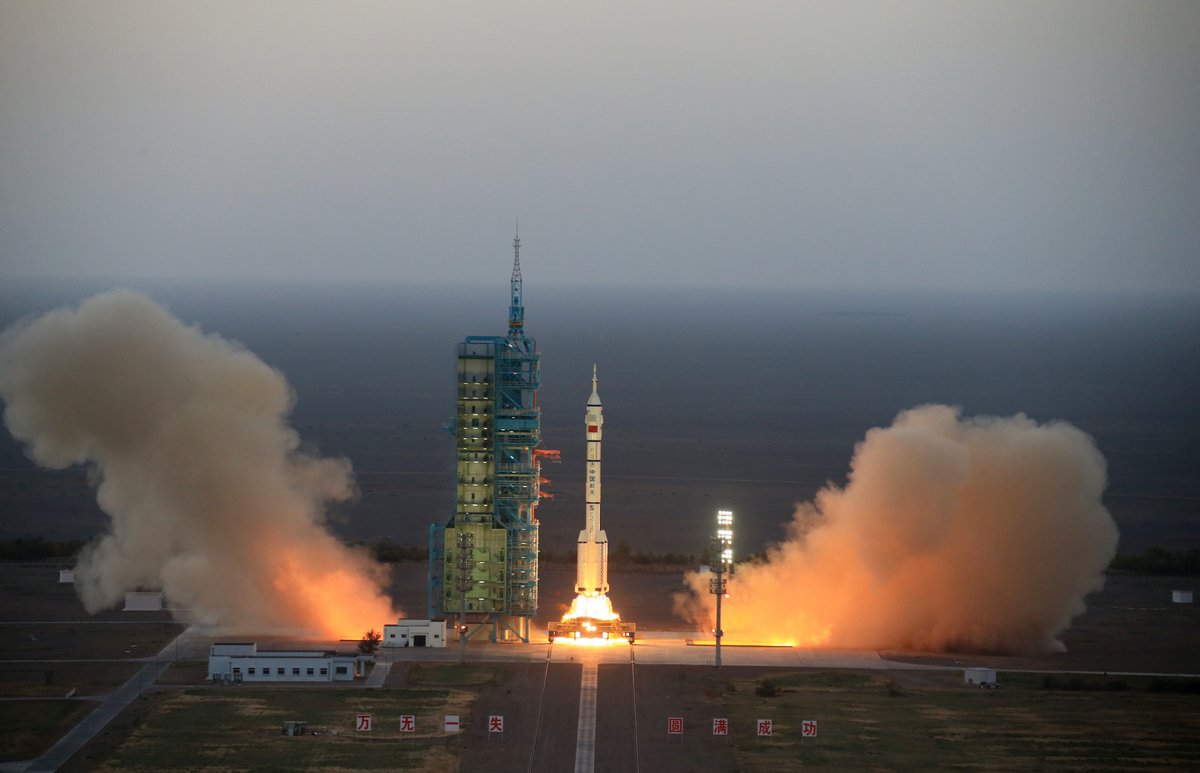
(186, 441)
(980, 534)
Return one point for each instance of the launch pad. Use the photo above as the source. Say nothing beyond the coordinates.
(580, 628)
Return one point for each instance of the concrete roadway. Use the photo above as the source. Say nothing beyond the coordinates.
(651, 648)
(672, 649)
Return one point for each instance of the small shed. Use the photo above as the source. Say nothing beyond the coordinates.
(66, 576)
(980, 677)
(415, 633)
(143, 601)
(1181, 596)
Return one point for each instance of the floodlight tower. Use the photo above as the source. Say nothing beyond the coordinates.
(722, 544)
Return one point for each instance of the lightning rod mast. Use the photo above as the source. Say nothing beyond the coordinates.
(516, 310)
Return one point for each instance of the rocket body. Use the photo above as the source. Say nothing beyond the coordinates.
(591, 570)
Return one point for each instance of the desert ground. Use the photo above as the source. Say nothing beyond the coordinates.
(1090, 714)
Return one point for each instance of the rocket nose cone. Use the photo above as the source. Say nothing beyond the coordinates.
(595, 398)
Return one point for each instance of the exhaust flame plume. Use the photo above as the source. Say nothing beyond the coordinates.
(589, 610)
(594, 607)
(956, 534)
(186, 441)
(589, 641)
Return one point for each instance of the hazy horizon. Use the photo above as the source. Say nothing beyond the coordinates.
(709, 398)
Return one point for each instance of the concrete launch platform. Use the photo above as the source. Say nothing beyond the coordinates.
(653, 648)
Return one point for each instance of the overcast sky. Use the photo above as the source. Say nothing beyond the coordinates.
(1006, 144)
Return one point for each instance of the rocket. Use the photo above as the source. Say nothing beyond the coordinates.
(591, 569)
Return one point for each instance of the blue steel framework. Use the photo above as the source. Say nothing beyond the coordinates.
(497, 430)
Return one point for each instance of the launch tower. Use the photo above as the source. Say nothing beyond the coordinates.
(483, 561)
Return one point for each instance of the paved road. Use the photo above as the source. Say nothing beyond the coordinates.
(378, 675)
(585, 736)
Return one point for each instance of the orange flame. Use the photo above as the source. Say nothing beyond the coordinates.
(339, 600)
(593, 607)
(588, 641)
(589, 610)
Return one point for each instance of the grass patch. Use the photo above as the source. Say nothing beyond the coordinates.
(29, 728)
(1174, 684)
(241, 727)
(234, 727)
(1101, 682)
(1056, 682)
(475, 674)
(95, 640)
(870, 722)
(54, 680)
(817, 680)
(185, 672)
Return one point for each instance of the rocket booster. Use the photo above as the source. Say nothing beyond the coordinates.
(591, 569)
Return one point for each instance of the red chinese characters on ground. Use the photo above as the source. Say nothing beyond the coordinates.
(362, 723)
(808, 728)
(496, 723)
(674, 725)
(721, 726)
(764, 727)
(408, 723)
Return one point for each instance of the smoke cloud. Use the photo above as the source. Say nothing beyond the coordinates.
(187, 445)
(952, 534)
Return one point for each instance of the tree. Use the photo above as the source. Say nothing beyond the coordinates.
(370, 642)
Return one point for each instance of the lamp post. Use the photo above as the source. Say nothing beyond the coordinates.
(722, 558)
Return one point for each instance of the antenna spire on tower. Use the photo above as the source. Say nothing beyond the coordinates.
(516, 311)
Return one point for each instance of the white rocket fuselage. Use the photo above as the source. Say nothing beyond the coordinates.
(591, 570)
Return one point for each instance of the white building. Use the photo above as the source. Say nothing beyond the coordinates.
(1181, 596)
(242, 662)
(143, 601)
(983, 677)
(415, 633)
